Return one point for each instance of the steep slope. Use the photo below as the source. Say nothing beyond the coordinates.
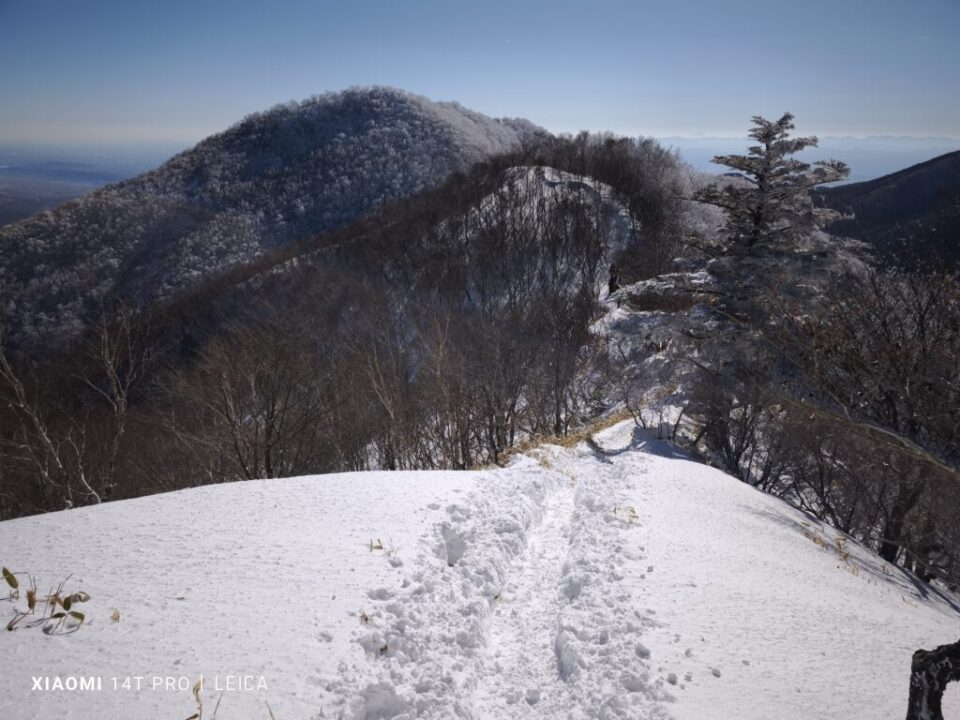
(288, 173)
(911, 216)
(619, 581)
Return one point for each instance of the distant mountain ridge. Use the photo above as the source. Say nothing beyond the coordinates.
(291, 172)
(910, 217)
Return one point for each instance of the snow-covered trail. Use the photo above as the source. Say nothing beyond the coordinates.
(519, 659)
(528, 617)
(563, 639)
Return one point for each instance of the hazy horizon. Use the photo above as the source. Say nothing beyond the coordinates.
(869, 156)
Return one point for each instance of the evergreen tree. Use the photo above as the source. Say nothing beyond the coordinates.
(770, 250)
(772, 210)
(772, 223)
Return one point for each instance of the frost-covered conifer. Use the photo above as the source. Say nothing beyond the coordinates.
(770, 208)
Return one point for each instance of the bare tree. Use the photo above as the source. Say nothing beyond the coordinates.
(256, 405)
(68, 432)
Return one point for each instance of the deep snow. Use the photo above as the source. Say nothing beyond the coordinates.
(626, 582)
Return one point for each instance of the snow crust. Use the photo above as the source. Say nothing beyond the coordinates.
(621, 580)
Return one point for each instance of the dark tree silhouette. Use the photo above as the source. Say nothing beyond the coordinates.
(930, 671)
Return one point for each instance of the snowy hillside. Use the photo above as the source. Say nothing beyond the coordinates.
(291, 172)
(622, 581)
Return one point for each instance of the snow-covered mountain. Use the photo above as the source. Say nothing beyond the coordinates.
(281, 175)
(618, 580)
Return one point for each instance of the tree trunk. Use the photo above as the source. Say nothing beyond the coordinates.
(930, 671)
(908, 494)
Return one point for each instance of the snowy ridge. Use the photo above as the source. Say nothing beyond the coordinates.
(617, 579)
(616, 585)
(551, 188)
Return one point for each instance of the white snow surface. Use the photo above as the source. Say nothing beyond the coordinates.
(620, 581)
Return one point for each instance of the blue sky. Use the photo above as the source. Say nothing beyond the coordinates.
(172, 72)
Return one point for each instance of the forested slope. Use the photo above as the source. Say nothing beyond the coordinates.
(280, 175)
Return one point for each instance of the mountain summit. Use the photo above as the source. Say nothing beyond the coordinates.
(293, 171)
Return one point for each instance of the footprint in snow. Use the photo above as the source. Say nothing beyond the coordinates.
(458, 513)
(453, 545)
